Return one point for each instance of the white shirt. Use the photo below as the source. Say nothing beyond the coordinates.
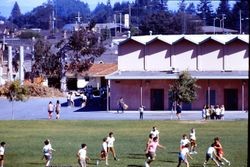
(184, 151)
(82, 153)
(1, 150)
(183, 142)
(192, 135)
(110, 141)
(217, 111)
(47, 150)
(105, 146)
(155, 133)
(210, 150)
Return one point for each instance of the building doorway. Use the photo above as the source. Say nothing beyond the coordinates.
(231, 99)
(157, 99)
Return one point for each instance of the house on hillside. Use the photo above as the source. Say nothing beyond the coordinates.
(147, 65)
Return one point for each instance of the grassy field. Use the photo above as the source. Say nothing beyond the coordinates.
(25, 141)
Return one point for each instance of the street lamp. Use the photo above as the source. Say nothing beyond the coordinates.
(216, 18)
(222, 21)
(241, 19)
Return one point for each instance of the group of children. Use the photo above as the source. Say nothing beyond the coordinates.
(213, 112)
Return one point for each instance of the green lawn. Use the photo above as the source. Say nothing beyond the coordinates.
(25, 141)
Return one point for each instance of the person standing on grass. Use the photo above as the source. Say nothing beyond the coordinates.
(150, 139)
(50, 110)
(183, 156)
(58, 109)
(104, 151)
(211, 154)
(111, 148)
(219, 150)
(151, 151)
(155, 132)
(2, 150)
(82, 156)
(47, 152)
(184, 141)
(192, 138)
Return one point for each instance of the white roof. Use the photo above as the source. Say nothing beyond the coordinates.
(196, 39)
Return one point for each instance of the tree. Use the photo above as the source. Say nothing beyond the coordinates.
(241, 7)
(183, 89)
(224, 10)
(16, 12)
(16, 92)
(46, 64)
(80, 50)
(205, 11)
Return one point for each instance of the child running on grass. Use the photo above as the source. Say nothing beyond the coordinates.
(47, 152)
(211, 154)
(184, 141)
(183, 156)
(151, 151)
(192, 139)
(219, 150)
(82, 156)
(104, 150)
(111, 148)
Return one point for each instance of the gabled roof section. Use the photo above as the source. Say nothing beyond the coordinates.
(196, 39)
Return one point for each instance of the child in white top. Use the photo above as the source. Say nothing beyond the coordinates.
(183, 154)
(184, 141)
(192, 139)
(82, 156)
(211, 154)
(104, 150)
(111, 140)
(2, 150)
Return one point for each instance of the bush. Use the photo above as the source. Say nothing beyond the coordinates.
(35, 90)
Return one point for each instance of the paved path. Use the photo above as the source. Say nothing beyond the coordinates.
(36, 109)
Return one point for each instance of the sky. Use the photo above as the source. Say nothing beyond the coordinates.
(27, 5)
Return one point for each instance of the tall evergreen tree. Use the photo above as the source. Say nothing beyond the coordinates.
(16, 12)
(205, 11)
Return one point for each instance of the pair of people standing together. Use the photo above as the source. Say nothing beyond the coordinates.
(51, 109)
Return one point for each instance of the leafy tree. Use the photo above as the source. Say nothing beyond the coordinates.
(46, 63)
(183, 89)
(103, 13)
(205, 11)
(16, 92)
(191, 9)
(80, 50)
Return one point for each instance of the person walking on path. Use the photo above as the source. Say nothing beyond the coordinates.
(211, 154)
(141, 110)
(58, 109)
(83, 99)
(2, 153)
(50, 110)
(82, 156)
(111, 148)
(47, 152)
(183, 156)
(120, 105)
(178, 110)
(151, 151)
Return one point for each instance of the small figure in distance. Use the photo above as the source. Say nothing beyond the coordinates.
(141, 110)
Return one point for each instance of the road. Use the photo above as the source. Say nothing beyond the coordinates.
(36, 109)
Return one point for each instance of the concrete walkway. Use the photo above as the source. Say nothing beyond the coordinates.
(36, 109)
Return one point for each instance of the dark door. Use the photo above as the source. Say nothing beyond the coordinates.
(231, 99)
(157, 99)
